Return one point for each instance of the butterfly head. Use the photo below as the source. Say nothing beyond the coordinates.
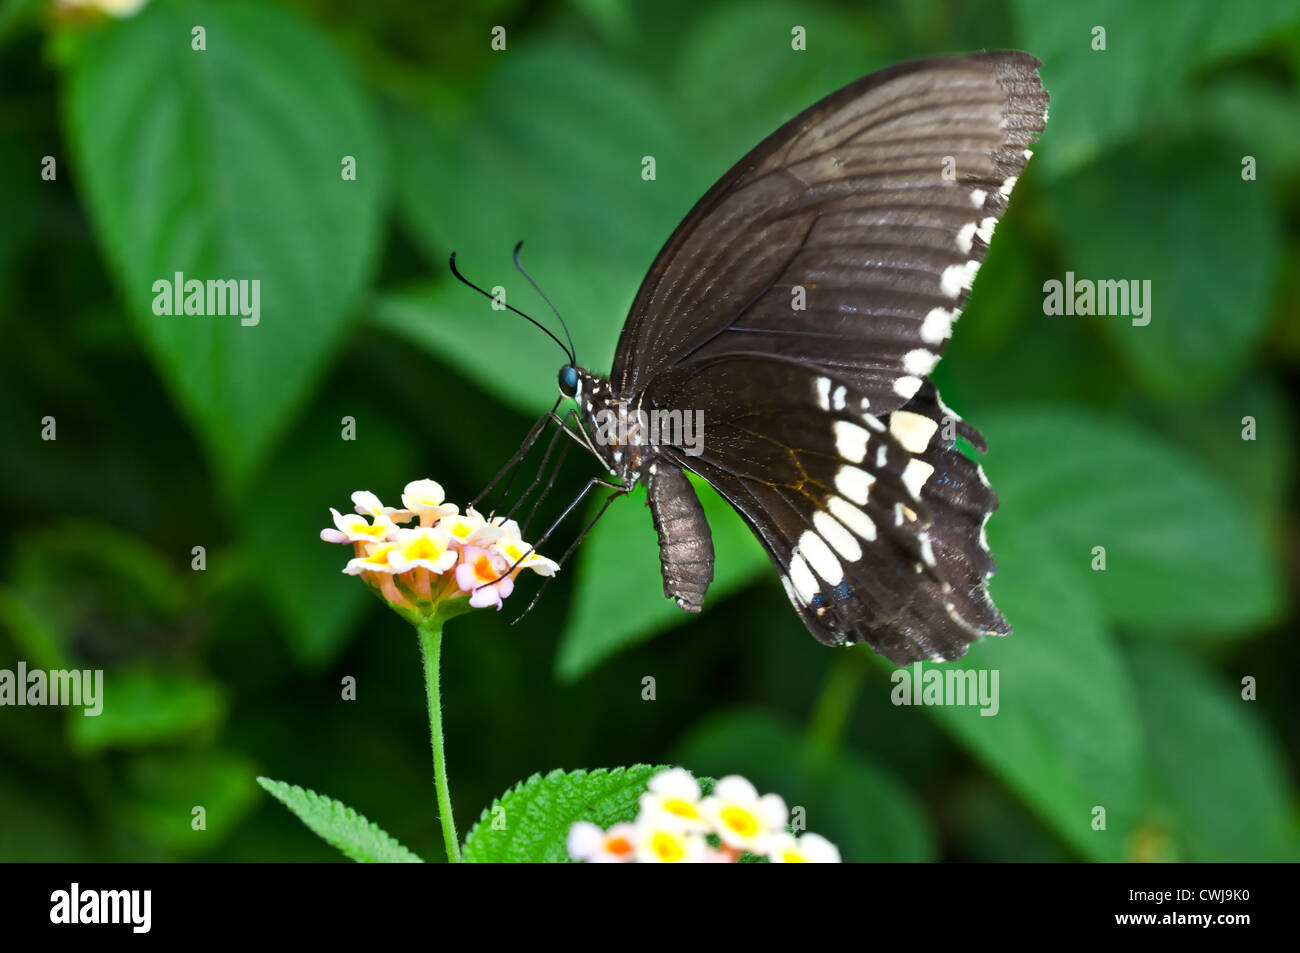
(615, 430)
(569, 380)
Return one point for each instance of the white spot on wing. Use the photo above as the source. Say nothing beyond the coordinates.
(819, 556)
(802, 579)
(958, 278)
(837, 399)
(850, 441)
(906, 387)
(1006, 187)
(852, 517)
(914, 476)
(937, 326)
(824, 393)
(977, 197)
(840, 538)
(919, 361)
(854, 483)
(913, 431)
(965, 236)
(985, 231)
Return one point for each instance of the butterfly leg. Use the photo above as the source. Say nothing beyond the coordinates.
(618, 488)
(524, 449)
(620, 491)
(574, 433)
(541, 470)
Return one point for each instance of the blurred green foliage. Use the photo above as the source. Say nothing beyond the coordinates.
(1119, 688)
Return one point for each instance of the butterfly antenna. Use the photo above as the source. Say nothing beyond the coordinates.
(461, 278)
(573, 355)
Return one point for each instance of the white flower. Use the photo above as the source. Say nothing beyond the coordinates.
(424, 498)
(673, 798)
(675, 826)
(423, 548)
(358, 529)
(375, 559)
(121, 9)
(666, 843)
(784, 848)
(588, 842)
(471, 528)
(741, 818)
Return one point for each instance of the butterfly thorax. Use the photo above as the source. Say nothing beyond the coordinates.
(617, 428)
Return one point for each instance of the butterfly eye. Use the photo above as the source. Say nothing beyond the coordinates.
(568, 380)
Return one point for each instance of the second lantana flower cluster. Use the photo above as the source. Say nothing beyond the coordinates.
(677, 824)
(444, 555)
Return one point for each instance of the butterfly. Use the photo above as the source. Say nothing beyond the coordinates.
(798, 310)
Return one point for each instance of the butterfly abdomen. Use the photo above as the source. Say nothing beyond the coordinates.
(685, 543)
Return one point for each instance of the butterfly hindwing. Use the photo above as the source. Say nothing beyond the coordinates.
(875, 523)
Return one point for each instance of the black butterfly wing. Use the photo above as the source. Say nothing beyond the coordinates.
(849, 202)
(876, 524)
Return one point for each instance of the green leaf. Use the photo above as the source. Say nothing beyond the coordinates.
(1064, 737)
(1254, 114)
(230, 169)
(861, 808)
(1216, 776)
(739, 77)
(16, 14)
(36, 639)
(158, 795)
(531, 821)
(145, 706)
(560, 166)
(1100, 98)
(619, 599)
(1182, 555)
(1131, 218)
(44, 823)
(1260, 470)
(339, 825)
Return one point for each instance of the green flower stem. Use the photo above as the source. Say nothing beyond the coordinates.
(834, 704)
(430, 632)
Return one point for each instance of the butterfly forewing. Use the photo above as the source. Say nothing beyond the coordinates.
(851, 236)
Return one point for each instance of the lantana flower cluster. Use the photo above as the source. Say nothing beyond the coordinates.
(427, 551)
(675, 823)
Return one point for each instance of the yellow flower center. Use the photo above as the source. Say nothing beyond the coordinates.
(423, 548)
(681, 808)
(740, 820)
(667, 848)
(790, 857)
